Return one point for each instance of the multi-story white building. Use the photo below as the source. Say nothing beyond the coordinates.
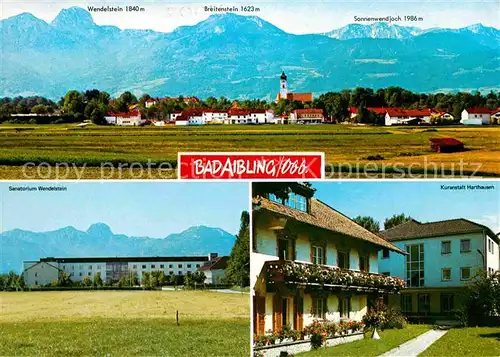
(442, 258)
(47, 270)
(310, 262)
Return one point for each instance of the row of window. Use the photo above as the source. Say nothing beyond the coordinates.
(491, 246)
(464, 246)
(319, 257)
(162, 266)
(423, 303)
(465, 273)
(320, 308)
(294, 201)
(153, 266)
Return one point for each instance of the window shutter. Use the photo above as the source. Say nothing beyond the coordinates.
(300, 313)
(311, 253)
(324, 255)
(260, 307)
(277, 323)
(325, 307)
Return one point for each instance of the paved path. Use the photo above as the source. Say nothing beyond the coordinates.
(416, 346)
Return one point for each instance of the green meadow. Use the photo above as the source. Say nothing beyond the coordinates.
(347, 148)
(124, 323)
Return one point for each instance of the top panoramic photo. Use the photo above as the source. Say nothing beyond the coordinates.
(110, 90)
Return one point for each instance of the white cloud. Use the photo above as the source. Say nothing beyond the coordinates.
(302, 17)
(490, 221)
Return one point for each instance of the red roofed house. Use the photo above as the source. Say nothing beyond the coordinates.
(476, 116)
(306, 116)
(190, 116)
(495, 116)
(380, 111)
(446, 145)
(214, 270)
(150, 102)
(395, 116)
(237, 116)
(131, 118)
(298, 97)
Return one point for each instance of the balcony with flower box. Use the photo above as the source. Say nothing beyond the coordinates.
(293, 274)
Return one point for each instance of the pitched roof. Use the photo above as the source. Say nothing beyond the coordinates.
(324, 216)
(478, 110)
(300, 97)
(40, 262)
(217, 263)
(377, 110)
(445, 141)
(130, 114)
(308, 111)
(414, 229)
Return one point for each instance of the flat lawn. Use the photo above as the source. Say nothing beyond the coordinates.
(470, 341)
(344, 145)
(389, 339)
(132, 323)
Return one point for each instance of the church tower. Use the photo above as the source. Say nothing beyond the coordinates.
(283, 86)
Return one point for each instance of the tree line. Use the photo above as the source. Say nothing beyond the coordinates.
(94, 104)
(373, 225)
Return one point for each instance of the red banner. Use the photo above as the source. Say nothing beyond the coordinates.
(250, 166)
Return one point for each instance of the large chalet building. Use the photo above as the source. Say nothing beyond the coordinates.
(311, 262)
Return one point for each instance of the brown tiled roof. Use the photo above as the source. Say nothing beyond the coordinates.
(217, 263)
(414, 229)
(326, 217)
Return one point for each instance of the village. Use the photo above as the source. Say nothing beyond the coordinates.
(385, 115)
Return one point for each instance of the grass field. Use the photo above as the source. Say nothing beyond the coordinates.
(470, 341)
(400, 147)
(367, 347)
(118, 323)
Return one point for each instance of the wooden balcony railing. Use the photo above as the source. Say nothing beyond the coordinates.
(291, 272)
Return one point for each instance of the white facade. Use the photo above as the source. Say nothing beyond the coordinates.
(174, 116)
(125, 120)
(111, 269)
(435, 262)
(214, 276)
(475, 118)
(40, 273)
(215, 117)
(130, 121)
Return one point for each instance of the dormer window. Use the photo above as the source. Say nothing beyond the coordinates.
(294, 201)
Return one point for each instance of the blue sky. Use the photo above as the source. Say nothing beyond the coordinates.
(153, 209)
(424, 201)
(298, 17)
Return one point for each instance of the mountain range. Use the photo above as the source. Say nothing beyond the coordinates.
(238, 57)
(99, 241)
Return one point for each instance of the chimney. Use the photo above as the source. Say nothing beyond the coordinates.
(212, 256)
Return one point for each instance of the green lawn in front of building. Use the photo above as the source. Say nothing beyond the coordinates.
(469, 341)
(367, 347)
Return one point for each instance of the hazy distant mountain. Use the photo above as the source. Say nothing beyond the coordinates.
(376, 30)
(99, 241)
(380, 30)
(238, 57)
